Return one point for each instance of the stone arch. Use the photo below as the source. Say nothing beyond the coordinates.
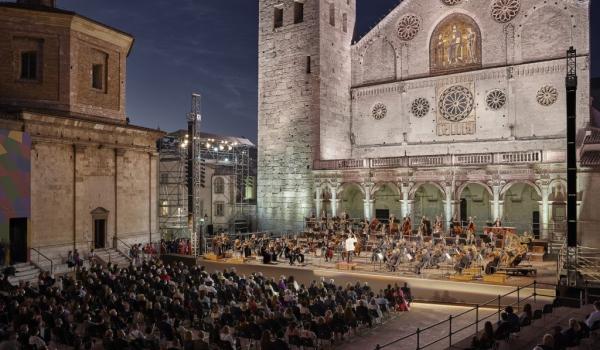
(512, 183)
(557, 200)
(455, 44)
(557, 190)
(415, 188)
(521, 203)
(352, 199)
(379, 61)
(462, 187)
(391, 184)
(474, 200)
(543, 41)
(387, 197)
(428, 200)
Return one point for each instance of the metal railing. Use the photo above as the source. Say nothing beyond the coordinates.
(496, 303)
(525, 157)
(46, 258)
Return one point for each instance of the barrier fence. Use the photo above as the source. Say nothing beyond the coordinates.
(522, 294)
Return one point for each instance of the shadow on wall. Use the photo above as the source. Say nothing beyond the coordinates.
(15, 153)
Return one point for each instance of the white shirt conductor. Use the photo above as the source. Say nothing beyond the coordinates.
(350, 241)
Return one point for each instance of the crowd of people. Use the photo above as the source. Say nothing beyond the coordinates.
(561, 339)
(558, 339)
(159, 306)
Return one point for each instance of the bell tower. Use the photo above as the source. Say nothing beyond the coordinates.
(303, 102)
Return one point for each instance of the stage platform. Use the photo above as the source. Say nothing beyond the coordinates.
(425, 287)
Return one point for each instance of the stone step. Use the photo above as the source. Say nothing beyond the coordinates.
(24, 272)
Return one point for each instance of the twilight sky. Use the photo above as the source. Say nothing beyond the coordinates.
(205, 46)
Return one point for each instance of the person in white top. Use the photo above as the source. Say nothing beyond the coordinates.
(349, 245)
(594, 316)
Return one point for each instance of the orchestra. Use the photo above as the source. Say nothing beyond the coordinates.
(391, 242)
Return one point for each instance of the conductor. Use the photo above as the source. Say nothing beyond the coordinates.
(349, 246)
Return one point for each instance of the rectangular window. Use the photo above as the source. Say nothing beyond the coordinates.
(164, 209)
(98, 76)
(298, 12)
(220, 209)
(308, 63)
(332, 14)
(278, 17)
(345, 22)
(29, 65)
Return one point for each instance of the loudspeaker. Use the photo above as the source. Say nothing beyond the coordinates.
(210, 229)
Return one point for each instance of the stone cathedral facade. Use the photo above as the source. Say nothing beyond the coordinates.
(450, 108)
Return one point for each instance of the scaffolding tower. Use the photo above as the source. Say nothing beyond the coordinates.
(232, 157)
(184, 156)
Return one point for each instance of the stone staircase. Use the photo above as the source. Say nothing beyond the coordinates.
(113, 256)
(25, 272)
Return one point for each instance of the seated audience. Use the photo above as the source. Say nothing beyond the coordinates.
(593, 319)
(547, 343)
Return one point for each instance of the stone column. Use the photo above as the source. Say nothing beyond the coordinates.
(334, 202)
(544, 209)
(448, 204)
(405, 210)
(119, 153)
(496, 186)
(368, 201)
(318, 200)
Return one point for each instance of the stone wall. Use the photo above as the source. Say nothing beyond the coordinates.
(288, 114)
(67, 46)
(78, 167)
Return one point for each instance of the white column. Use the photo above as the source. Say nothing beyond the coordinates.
(372, 208)
(496, 202)
(334, 202)
(448, 203)
(405, 210)
(544, 211)
(318, 201)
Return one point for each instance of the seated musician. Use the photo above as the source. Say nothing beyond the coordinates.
(471, 229)
(456, 226)
(438, 227)
(498, 223)
(406, 227)
(296, 254)
(426, 226)
(374, 226)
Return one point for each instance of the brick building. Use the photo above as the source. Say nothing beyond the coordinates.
(93, 176)
(445, 108)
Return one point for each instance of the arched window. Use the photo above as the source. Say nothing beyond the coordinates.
(455, 45)
(219, 185)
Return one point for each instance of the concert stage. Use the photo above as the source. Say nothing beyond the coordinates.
(426, 288)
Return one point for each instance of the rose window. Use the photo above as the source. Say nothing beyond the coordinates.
(456, 103)
(451, 2)
(379, 111)
(420, 107)
(547, 95)
(496, 99)
(505, 10)
(408, 27)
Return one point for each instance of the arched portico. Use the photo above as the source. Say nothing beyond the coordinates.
(352, 200)
(387, 201)
(522, 202)
(428, 200)
(475, 202)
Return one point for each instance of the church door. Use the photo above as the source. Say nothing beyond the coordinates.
(99, 233)
(18, 240)
(99, 220)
